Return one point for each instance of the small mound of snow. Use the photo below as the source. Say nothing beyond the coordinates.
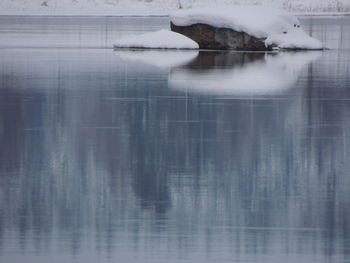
(276, 25)
(294, 39)
(162, 39)
(159, 58)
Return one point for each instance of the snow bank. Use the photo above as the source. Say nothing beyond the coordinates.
(295, 38)
(272, 75)
(164, 59)
(276, 25)
(162, 39)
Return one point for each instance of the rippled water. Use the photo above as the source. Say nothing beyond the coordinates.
(165, 156)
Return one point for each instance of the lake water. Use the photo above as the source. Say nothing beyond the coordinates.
(165, 156)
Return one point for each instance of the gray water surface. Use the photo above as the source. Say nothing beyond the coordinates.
(170, 156)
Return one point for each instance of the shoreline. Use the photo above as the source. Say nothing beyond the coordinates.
(150, 15)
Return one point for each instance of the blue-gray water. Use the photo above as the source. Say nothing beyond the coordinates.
(120, 156)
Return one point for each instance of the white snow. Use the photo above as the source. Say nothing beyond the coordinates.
(164, 59)
(277, 26)
(295, 38)
(162, 39)
(272, 75)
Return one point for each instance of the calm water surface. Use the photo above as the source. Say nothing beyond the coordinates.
(165, 156)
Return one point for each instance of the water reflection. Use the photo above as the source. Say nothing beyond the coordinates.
(106, 158)
(245, 74)
(226, 73)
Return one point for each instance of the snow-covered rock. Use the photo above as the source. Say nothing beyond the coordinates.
(210, 37)
(162, 39)
(274, 25)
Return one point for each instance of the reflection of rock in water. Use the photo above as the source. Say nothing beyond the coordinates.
(241, 74)
(221, 60)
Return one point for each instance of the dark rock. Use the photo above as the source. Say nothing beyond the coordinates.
(209, 37)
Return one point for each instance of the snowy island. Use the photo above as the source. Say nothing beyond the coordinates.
(162, 39)
(230, 27)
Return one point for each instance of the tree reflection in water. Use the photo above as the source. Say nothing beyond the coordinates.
(111, 153)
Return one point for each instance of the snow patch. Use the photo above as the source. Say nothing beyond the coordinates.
(161, 59)
(162, 39)
(294, 39)
(276, 25)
